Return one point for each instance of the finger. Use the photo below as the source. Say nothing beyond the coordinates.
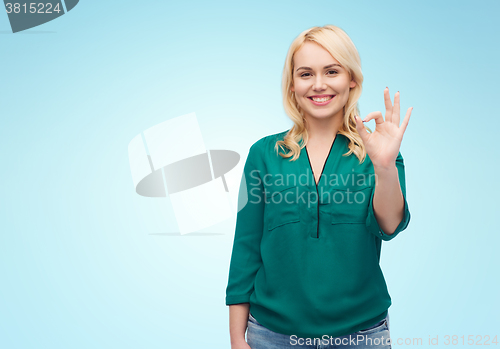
(379, 118)
(388, 105)
(406, 119)
(395, 111)
(360, 127)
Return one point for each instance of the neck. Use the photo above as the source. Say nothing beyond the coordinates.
(323, 129)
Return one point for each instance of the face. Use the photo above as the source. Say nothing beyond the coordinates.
(317, 74)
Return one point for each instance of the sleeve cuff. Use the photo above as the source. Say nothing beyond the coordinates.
(238, 299)
(374, 228)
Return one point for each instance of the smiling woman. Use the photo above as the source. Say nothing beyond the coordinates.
(306, 252)
(335, 82)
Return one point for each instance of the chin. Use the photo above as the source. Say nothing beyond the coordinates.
(323, 115)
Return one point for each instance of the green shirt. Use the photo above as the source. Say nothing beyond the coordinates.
(306, 256)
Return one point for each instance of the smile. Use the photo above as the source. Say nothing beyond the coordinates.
(321, 100)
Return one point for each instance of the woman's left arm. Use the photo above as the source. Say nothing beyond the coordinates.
(382, 146)
(388, 200)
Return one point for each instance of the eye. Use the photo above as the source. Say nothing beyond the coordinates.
(333, 72)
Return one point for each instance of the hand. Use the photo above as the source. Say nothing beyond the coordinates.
(240, 345)
(382, 145)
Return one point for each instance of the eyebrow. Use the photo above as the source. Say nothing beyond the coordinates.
(325, 67)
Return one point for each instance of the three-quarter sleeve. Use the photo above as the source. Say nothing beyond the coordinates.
(371, 221)
(245, 257)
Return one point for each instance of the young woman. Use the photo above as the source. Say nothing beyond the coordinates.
(305, 267)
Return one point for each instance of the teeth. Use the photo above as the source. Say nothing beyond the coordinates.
(324, 99)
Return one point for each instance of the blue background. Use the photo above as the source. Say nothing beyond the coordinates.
(87, 263)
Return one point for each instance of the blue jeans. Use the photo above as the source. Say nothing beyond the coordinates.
(376, 336)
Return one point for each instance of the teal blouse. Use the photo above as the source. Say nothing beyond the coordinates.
(306, 256)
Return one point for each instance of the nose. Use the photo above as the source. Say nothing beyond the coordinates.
(318, 84)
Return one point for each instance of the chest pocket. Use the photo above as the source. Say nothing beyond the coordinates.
(282, 206)
(349, 204)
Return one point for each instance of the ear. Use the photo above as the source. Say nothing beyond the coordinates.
(352, 84)
(292, 89)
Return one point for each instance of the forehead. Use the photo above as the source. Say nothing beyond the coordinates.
(313, 55)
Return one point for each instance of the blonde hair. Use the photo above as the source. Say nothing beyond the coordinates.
(339, 45)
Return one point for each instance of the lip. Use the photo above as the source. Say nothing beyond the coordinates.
(321, 103)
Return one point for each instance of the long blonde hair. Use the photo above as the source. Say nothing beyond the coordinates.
(339, 45)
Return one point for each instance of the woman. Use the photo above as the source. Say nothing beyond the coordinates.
(305, 267)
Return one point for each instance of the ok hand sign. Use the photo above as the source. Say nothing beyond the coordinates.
(382, 145)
